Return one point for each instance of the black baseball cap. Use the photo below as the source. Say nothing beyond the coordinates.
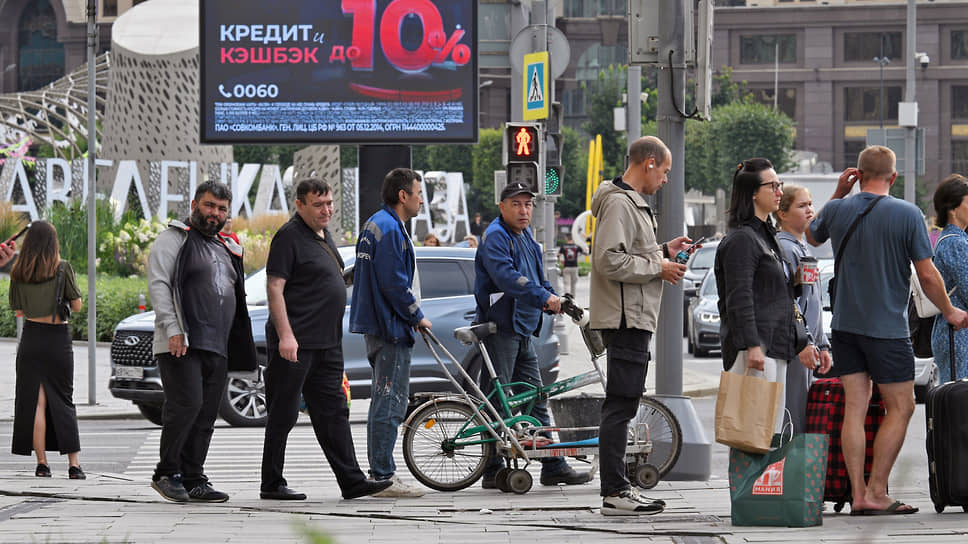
(515, 189)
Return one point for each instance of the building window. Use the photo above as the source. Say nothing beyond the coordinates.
(573, 101)
(959, 44)
(766, 48)
(852, 149)
(864, 46)
(864, 103)
(40, 56)
(959, 102)
(594, 8)
(959, 155)
(109, 8)
(786, 101)
(598, 57)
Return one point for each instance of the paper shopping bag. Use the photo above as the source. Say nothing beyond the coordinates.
(746, 410)
(781, 488)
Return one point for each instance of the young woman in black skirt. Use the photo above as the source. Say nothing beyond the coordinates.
(42, 286)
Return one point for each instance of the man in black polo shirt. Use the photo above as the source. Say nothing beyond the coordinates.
(307, 298)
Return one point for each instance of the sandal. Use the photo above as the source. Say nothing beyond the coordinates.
(76, 473)
(43, 471)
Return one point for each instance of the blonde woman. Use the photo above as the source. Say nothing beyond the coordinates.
(794, 215)
(44, 415)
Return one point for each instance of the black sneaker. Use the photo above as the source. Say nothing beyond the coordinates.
(76, 473)
(171, 488)
(204, 492)
(567, 477)
(489, 481)
(366, 487)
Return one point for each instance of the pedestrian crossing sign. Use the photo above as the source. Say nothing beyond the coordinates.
(536, 95)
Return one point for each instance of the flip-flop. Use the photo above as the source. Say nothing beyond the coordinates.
(892, 510)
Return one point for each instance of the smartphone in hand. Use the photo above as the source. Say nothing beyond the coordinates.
(684, 254)
(18, 235)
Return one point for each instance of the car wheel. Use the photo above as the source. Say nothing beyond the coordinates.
(699, 352)
(152, 412)
(244, 401)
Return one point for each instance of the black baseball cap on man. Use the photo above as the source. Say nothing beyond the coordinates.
(515, 189)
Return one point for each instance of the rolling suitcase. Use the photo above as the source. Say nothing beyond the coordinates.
(825, 414)
(946, 410)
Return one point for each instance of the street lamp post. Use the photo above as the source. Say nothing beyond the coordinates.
(882, 61)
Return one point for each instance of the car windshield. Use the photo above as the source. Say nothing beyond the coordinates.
(703, 258)
(255, 288)
(709, 286)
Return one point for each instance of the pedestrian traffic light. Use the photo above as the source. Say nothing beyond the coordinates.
(523, 157)
(553, 180)
(523, 143)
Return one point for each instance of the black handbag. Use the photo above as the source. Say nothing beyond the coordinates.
(62, 307)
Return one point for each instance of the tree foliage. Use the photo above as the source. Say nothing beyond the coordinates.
(737, 131)
(487, 159)
(604, 95)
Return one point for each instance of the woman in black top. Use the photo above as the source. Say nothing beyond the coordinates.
(44, 415)
(755, 296)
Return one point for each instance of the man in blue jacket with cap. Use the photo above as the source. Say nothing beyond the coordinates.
(511, 291)
(386, 309)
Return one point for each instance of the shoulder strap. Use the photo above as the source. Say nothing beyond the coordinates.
(850, 232)
(942, 238)
(59, 292)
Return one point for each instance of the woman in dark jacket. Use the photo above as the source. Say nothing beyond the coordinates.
(44, 415)
(755, 294)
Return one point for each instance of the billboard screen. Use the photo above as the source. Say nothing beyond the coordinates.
(338, 71)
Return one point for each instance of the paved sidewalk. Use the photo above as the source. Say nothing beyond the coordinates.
(110, 508)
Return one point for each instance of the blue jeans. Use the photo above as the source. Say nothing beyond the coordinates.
(515, 360)
(389, 395)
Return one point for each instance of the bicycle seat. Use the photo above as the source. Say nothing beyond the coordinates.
(475, 333)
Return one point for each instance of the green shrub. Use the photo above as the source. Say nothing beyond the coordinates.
(70, 220)
(117, 298)
(126, 252)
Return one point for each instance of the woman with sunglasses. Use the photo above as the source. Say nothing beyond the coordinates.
(755, 295)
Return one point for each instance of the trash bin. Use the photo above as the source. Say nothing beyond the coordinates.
(582, 410)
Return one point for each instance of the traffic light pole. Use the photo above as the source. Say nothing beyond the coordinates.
(695, 459)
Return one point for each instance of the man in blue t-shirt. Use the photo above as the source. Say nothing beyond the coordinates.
(870, 338)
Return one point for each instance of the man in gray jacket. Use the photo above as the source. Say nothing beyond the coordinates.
(202, 330)
(628, 268)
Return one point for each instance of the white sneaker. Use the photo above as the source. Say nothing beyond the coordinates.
(400, 489)
(630, 503)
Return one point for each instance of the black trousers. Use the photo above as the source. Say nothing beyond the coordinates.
(318, 375)
(194, 384)
(628, 360)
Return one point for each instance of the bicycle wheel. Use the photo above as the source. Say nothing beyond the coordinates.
(431, 452)
(664, 431)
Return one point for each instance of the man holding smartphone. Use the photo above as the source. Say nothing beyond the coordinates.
(628, 268)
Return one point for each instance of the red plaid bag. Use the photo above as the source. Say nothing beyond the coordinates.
(825, 414)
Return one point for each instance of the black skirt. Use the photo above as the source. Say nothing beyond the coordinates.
(45, 358)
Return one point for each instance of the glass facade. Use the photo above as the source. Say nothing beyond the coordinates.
(959, 102)
(594, 8)
(765, 48)
(785, 102)
(864, 103)
(959, 44)
(864, 46)
(40, 55)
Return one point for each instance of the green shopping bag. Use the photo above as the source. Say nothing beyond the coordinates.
(782, 487)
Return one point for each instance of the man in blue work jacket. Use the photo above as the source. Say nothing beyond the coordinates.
(511, 291)
(386, 309)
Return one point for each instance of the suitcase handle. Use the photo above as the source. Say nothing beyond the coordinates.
(951, 350)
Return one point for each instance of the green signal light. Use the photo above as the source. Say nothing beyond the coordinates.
(552, 181)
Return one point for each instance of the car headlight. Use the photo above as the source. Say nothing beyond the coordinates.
(708, 317)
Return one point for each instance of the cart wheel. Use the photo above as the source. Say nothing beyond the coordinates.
(939, 508)
(838, 506)
(520, 481)
(439, 451)
(646, 476)
(501, 479)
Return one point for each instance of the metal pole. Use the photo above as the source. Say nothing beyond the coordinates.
(634, 103)
(776, 74)
(91, 205)
(910, 95)
(671, 198)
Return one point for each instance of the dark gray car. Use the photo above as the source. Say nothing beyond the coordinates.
(446, 284)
